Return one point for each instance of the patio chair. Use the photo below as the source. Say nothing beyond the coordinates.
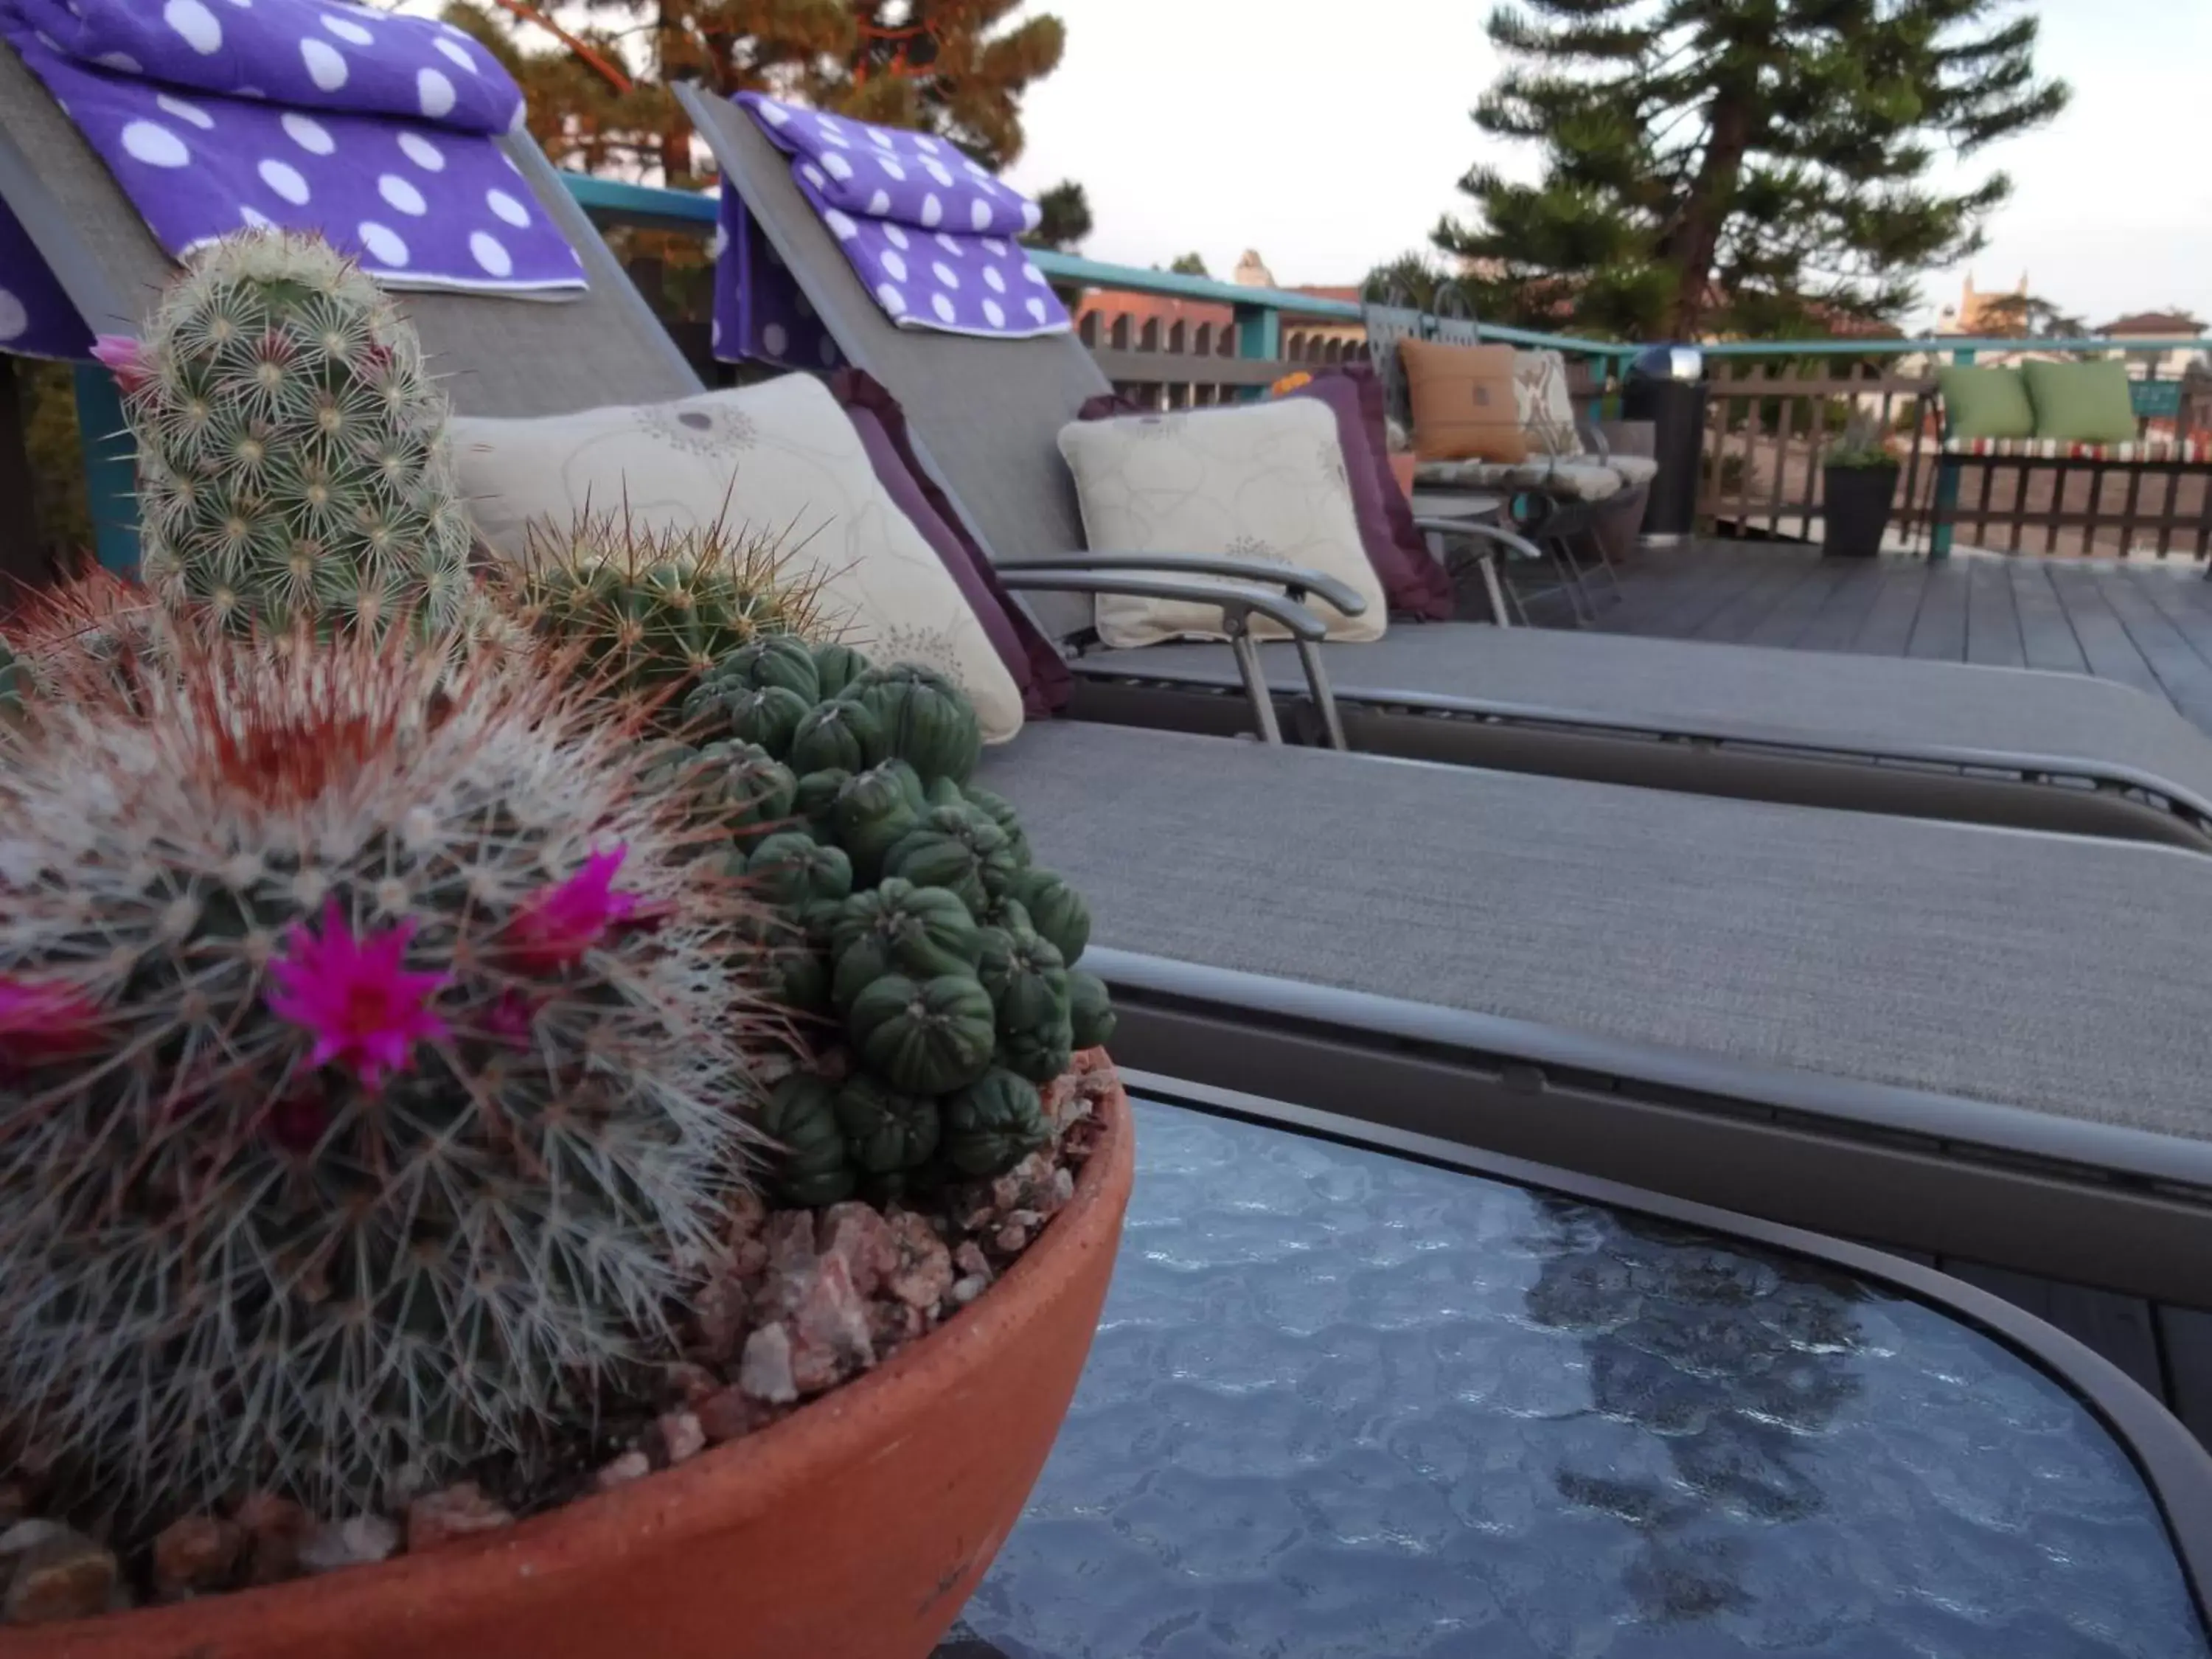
(2001, 745)
(1555, 498)
(1935, 1036)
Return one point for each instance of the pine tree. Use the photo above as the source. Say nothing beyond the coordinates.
(600, 96)
(1752, 166)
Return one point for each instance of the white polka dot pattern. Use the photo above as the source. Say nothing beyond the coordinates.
(36, 318)
(377, 129)
(917, 184)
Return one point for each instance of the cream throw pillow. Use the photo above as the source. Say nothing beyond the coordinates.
(780, 458)
(1264, 481)
(1547, 413)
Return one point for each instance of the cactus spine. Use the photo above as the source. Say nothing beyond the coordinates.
(373, 1056)
(292, 456)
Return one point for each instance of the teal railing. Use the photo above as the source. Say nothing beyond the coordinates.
(1258, 311)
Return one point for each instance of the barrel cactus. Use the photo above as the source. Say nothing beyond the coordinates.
(649, 610)
(293, 465)
(933, 959)
(375, 1061)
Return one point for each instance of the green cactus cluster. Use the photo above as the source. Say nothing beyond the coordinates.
(648, 610)
(293, 465)
(911, 919)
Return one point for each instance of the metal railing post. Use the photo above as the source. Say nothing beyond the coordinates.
(1947, 483)
(1259, 337)
(110, 468)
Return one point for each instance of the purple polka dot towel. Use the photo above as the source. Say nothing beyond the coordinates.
(930, 232)
(36, 318)
(379, 131)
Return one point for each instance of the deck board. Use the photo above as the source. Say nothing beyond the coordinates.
(2145, 624)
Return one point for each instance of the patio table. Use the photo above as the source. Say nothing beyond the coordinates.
(1347, 1403)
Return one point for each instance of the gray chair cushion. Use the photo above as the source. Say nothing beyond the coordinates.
(2059, 975)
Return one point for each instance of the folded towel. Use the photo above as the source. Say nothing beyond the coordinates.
(36, 318)
(382, 133)
(930, 232)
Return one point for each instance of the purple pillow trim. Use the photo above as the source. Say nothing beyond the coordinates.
(1039, 669)
(1415, 584)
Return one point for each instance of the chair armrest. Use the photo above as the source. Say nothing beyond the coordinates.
(1302, 622)
(1519, 545)
(1296, 582)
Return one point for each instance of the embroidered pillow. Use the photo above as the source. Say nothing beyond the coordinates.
(1546, 412)
(1039, 669)
(779, 459)
(1264, 482)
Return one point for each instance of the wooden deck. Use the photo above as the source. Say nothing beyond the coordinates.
(2146, 625)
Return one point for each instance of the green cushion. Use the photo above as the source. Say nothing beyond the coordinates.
(1985, 402)
(2082, 402)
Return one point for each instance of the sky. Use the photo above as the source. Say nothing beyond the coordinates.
(1330, 137)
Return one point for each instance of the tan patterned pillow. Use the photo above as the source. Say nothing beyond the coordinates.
(1264, 481)
(784, 459)
(1547, 413)
(1463, 403)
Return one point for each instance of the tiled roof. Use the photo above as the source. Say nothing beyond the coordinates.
(2154, 322)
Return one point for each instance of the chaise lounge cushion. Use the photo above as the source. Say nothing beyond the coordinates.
(1262, 482)
(2157, 447)
(1038, 670)
(1463, 402)
(779, 460)
(1584, 479)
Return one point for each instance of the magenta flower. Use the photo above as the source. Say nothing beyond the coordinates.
(508, 1020)
(121, 355)
(44, 1020)
(554, 926)
(365, 1011)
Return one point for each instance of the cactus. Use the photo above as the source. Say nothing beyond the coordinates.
(373, 1066)
(930, 953)
(651, 611)
(293, 468)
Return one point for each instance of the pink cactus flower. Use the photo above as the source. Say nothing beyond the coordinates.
(366, 1012)
(45, 1020)
(555, 926)
(508, 1019)
(121, 355)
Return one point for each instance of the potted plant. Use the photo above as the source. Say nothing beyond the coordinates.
(1858, 482)
(477, 1177)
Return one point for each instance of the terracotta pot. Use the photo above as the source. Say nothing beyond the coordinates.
(853, 1530)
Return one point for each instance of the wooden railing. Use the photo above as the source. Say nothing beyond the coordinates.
(1767, 424)
(1774, 407)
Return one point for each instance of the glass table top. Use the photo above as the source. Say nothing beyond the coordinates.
(1345, 1405)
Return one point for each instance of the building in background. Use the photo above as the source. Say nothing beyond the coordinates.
(1157, 322)
(2176, 326)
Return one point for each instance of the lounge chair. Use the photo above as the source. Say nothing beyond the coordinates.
(2001, 745)
(1938, 1037)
